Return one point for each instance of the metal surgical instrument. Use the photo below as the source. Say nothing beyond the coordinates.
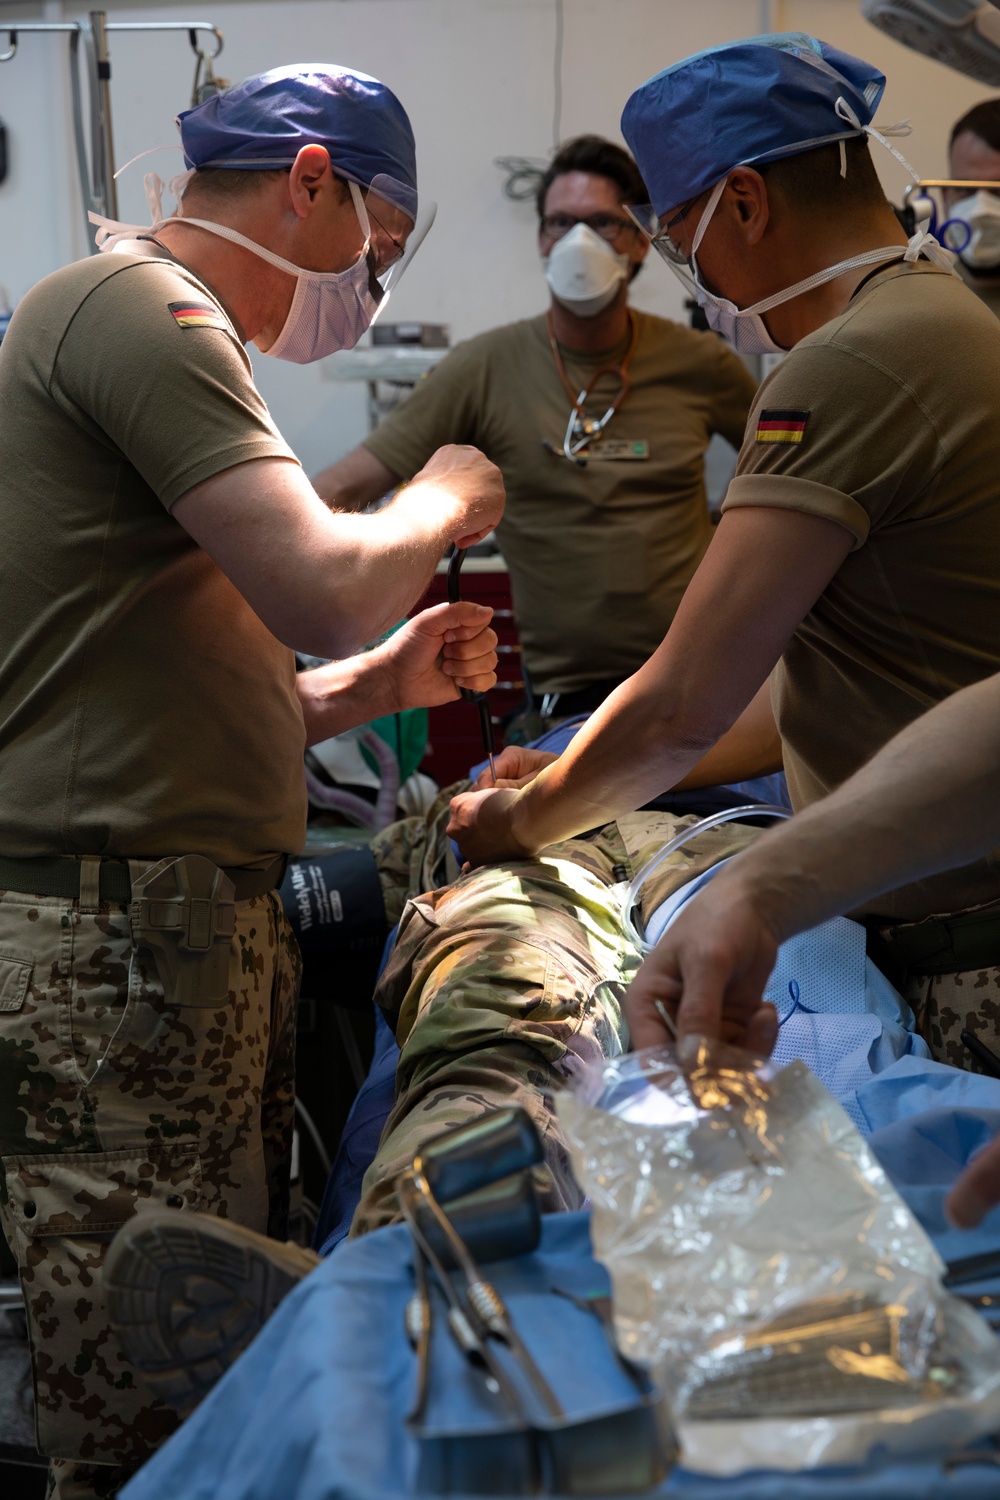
(485, 1309)
(466, 1330)
(479, 699)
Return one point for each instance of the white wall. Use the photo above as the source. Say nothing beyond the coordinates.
(477, 79)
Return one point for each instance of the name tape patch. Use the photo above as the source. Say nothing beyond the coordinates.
(776, 426)
(197, 315)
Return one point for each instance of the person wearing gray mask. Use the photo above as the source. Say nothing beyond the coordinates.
(974, 156)
(598, 416)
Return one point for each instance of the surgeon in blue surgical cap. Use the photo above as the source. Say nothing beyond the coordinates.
(163, 558)
(853, 580)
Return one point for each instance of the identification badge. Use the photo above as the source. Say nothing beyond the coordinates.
(619, 450)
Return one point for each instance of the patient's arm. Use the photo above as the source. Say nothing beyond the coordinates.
(751, 748)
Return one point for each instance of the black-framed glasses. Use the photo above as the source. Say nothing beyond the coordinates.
(645, 220)
(681, 214)
(608, 226)
(398, 247)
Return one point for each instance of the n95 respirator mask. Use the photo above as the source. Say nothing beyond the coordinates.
(583, 272)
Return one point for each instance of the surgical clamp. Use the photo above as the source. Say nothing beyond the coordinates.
(485, 1309)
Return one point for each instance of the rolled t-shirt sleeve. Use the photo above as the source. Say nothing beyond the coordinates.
(833, 434)
(444, 407)
(150, 360)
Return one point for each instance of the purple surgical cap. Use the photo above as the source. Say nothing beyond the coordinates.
(265, 121)
(745, 102)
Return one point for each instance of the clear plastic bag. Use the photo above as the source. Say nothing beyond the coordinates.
(765, 1270)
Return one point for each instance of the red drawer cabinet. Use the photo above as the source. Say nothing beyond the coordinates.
(454, 743)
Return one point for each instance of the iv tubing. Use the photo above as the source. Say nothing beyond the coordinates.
(728, 815)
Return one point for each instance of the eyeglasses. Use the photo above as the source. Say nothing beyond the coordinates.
(608, 226)
(399, 249)
(646, 221)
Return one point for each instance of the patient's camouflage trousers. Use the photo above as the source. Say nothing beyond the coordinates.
(111, 1100)
(505, 981)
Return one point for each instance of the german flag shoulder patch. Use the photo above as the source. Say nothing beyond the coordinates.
(781, 426)
(197, 315)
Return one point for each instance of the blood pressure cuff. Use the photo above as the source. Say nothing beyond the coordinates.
(334, 902)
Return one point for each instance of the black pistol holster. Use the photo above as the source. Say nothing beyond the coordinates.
(184, 911)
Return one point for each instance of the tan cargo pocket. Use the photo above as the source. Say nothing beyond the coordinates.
(15, 976)
(60, 1214)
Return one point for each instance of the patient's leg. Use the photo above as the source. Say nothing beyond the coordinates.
(499, 986)
(502, 984)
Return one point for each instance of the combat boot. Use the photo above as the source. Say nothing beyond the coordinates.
(187, 1292)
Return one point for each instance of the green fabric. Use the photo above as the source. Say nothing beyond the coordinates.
(406, 735)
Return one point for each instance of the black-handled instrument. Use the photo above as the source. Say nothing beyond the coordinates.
(479, 699)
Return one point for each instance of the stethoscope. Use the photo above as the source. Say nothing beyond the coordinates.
(581, 430)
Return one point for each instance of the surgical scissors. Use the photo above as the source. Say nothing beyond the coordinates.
(479, 699)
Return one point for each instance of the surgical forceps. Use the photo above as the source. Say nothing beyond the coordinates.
(479, 699)
(483, 1315)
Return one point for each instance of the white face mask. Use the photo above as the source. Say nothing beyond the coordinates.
(744, 327)
(981, 211)
(583, 271)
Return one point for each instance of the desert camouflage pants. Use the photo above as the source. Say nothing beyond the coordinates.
(111, 1100)
(945, 1005)
(505, 981)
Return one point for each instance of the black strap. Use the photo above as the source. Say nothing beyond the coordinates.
(58, 876)
(940, 945)
(581, 701)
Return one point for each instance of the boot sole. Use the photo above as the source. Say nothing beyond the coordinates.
(186, 1300)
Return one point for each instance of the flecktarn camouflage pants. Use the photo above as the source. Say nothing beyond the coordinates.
(503, 982)
(111, 1100)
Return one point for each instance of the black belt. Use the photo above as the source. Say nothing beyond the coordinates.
(582, 701)
(939, 945)
(59, 876)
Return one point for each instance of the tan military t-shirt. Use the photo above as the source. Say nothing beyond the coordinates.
(144, 708)
(599, 556)
(886, 421)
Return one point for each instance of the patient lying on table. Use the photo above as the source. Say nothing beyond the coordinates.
(503, 980)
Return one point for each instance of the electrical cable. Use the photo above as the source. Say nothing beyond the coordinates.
(524, 173)
(314, 1136)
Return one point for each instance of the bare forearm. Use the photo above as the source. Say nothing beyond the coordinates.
(642, 740)
(927, 802)
(355, 481)
(378, 567)
(732, 626)
(751, 748)
(325, 581)
(344, 694)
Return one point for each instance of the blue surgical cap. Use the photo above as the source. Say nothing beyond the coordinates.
(750, 101)
(265, 121)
